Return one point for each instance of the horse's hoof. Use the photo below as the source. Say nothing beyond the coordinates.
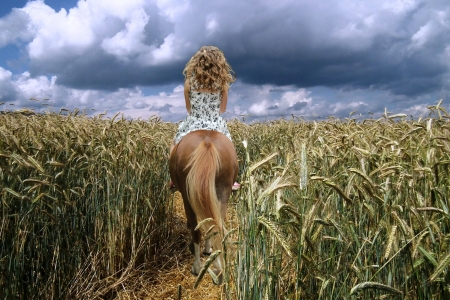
(219, 275)
(219, 279)
(193, 271)
(207, 252)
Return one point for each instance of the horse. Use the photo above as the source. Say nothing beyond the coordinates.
(203, 166)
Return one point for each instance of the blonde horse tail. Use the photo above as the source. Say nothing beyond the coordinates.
(204, 164)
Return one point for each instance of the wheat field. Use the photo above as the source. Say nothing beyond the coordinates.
(331, 209)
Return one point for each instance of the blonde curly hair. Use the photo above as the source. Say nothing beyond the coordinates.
(209, 69)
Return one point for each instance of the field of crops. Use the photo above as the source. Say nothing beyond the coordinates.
(336, 209)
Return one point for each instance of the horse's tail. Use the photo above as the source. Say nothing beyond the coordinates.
(200, 183)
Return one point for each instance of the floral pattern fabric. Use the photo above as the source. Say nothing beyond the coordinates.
(204, 115)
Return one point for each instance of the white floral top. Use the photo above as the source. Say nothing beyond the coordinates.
(204, 114)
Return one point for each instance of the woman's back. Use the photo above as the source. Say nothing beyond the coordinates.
(204, 114)
(205, 105)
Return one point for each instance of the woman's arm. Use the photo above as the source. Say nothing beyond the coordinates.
(223, 102)
(187, 89)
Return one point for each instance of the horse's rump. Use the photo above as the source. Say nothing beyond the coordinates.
(203, 166)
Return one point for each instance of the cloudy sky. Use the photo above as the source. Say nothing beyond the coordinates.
(307, 58)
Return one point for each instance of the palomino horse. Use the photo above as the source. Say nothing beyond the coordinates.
(203, 167)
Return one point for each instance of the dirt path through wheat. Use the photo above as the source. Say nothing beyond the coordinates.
(171, 278)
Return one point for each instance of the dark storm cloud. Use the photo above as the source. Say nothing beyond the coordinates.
(398, 48)
(99, 71)
(395, 48)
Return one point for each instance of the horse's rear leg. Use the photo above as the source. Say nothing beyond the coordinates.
(219, 263)
(223, 195)
(208, 245)
(208, 249)
(194, 247)
(197, 265)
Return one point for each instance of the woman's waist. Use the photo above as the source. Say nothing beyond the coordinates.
(204, 113)
(212, 117)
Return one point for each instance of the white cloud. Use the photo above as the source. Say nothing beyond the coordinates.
(173, 9)
(424, 34)
(140, 105)
(14, 28)
(169, 106)
(179, 88)
(119, 28)
(343, 108)
(129, 42)
(419, 110)
(117, 8)
(259, 109)
(45, 90)
(5, 75)
(58, 32)
(8, 91)
(281, 101)
(400, 6)
(39, 87)
(212, 24)
(358, 37)
(166, 52)
(293, 97)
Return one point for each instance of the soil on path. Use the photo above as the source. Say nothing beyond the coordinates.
(171, 278)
